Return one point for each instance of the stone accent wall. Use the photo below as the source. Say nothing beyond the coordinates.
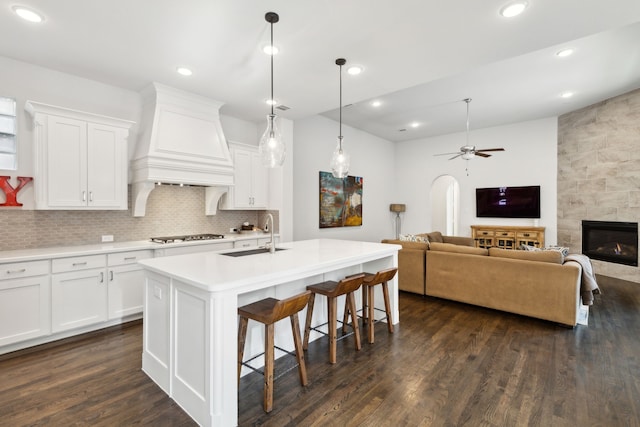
(171, 211)
(599, 172)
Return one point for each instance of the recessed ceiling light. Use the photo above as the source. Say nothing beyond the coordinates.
(376, 103)
(513, 9)
(184, 71)
(271, 50)
(271, 101)
(28, 14)
(354, 70)
(566, 95)
(564, 52)
(414, 125)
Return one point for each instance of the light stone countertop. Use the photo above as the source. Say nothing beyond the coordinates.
(216, 272)
(21, 255)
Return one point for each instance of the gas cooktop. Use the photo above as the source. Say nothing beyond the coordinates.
(187, 238)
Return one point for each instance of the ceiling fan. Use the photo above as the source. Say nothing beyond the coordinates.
(469, 151)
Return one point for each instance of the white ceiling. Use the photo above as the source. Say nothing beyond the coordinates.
(420, 57)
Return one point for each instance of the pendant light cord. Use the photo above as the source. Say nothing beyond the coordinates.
(340, 68)
(340, 62)
(272, 100)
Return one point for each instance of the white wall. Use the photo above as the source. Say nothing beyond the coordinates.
(371, 158)
(530, 159)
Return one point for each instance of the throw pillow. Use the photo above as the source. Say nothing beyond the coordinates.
(435, 236)
(563, 250)
(412, 238)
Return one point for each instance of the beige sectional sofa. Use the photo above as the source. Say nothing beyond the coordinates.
(535, 284)
(412, 258)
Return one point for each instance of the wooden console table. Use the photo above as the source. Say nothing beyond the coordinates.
(507, 237)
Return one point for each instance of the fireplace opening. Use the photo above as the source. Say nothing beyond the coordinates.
(611, 241)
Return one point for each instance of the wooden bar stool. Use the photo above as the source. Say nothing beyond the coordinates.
(368, 306)
(269, 311)
(332, 290)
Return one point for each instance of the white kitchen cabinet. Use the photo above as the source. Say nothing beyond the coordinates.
(125, 283)
(80, 159)
(78, 292)
(251, 188)
(24, 301)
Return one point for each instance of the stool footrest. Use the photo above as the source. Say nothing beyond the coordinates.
(261, 371)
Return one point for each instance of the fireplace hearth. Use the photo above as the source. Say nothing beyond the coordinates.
(611, 241)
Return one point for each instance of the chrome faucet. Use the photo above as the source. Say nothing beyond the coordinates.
(271, 244)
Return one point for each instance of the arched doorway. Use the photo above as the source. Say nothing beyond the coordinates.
(445, 205)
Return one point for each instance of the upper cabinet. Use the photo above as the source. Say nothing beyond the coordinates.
(251, 189)
(80, 159)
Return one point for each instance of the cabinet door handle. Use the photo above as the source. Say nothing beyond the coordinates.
(91, 196)
(77, 264)
(22, 270)
(101, 277)
(111, 275)
(84, 196)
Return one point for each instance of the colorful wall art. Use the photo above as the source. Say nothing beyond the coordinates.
(340, 201)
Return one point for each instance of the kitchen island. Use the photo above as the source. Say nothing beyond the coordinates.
(190, 313)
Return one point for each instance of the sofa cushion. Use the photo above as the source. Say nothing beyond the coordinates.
(541, 256)
(434, 236)
(450, 247)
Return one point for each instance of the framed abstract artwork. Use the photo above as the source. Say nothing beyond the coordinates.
(340, 201)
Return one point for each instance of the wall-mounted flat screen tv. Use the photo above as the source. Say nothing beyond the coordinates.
(508, 202)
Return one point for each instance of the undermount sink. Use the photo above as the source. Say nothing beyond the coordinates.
(251, 252)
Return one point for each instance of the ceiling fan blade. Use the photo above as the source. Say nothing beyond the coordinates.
(446, 154)
(456, 156)
(482, 154)
(491, 149)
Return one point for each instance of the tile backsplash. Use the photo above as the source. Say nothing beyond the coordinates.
(171, 210)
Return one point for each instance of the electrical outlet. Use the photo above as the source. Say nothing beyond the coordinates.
(107, 238)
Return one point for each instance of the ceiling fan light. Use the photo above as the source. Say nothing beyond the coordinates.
(468, 155)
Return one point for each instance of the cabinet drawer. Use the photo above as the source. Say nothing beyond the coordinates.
(131, 257)
(61, 265)
(484, 233)
(505, 234)
(528, 234)
(23, 269)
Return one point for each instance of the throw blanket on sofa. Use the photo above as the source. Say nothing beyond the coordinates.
(588, 284)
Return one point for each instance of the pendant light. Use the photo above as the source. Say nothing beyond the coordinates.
(272, 149)
(340, 159)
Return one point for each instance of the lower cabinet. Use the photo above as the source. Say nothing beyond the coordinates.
(25, 309)
(78, 298)
(96, 288)
(125, 283)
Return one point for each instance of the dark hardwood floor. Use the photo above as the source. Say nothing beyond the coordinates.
(447, 364)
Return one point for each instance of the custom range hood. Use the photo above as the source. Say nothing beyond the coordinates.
(181, 142)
